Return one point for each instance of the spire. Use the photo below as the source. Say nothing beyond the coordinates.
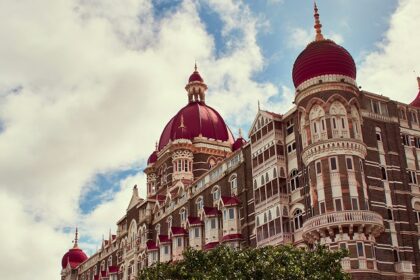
(195, 66)
(240, 132)
(156, 145)
(76, 239)
(318, 25)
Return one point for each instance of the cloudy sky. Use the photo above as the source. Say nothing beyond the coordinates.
(86, 87)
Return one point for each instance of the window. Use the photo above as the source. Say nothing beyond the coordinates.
(383, 172)
(361, 165)
(289, 127)
(234, 185)
(355, 203)
(343, 246)
(183, 215)
(216, 194)
(402, 114)
(213, 223)
(378, 136)
(322, 209)
(417, 210)
(412, 177)
(338, 204)
(110, 261)
(274, 172)
(291, 147)
(405, 139)
(333, 164)
(349, 163)
(199, 203)
(166, 250)
(298, 219)
(294, 180)
(231, 213)
(179, 242)
(396, 255)
(389, 214)
(378, 107)
(318, 167)
(360, 249)
(414, 117)
(196, 232)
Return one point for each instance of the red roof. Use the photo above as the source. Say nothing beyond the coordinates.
(210, 245)
(178, 231)
(323, 57)
(238, 144)
(211, 211)
(75, 256)
(230, 237)
(151, 245)
(164, 239)
(153, 158)
(112, 269)
(195, 77)
(199, 120)
(194, 221)
(230, 201)
(96, 277)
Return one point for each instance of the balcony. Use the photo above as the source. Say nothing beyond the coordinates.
(367, 221)
(333, 147)
(404, 267)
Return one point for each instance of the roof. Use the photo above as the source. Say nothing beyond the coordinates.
(238, 144)
(195, 77)
(211, 211)
(230, 200)
(178, 231)
(194, 221)
(323, 57)
(210, 246)
(151, 245)
(113, 269)
(164, 239)
(230, 237)
(199, 120)
(74, 256)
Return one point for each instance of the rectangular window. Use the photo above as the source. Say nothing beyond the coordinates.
(406, 140)
(166, 250)
(375, 107)
(213, 223)
(179, 241)
(343, 246)
(322, 207)
(338, 205)
(412, 177)
(360, 249)
(414, 117)
(231, 213)
(196, 232)
(389, 214)
(349, 162)
(318, 167)
(355, 203)
(333, 164)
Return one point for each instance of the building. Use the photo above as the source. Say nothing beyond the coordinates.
(340, 168)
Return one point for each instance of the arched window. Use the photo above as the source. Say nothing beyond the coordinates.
(298, 219)
(212, 162)
(267, 179)
(183, 215)
(356, 123)
(294, 180)
(216, 194)
(274, 172)
(199, 203)
(255, 184)
(339, 122)
(317, 123)
(262, 180)
(417, 210)
(234, 185)
(270, 217)
(110, 261)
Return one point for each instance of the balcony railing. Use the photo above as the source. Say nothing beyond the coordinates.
(404, 267)
(368, 219)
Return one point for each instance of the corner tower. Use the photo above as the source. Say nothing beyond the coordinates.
(333, 152)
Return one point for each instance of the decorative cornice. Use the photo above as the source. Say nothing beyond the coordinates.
(333, 147)
(378, 117)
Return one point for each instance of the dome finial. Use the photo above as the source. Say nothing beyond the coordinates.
(156, 145)
(195, 66)
(76, 238)
(240, 132)
(318, 25)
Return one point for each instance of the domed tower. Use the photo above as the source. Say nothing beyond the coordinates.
(194, 140)
(333, 153)
(71, 260)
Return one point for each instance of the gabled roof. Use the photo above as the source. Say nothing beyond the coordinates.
(265, 114)
(194, 221)
(151, 245)
(178, 231)
(230, 201)
(211, 211)
(134, 198)
(164, 239)
(231, 237)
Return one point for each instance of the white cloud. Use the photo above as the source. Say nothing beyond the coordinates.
(299, 38)
(389, 70)
(86, 88)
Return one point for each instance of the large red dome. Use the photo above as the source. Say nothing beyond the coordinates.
(323, 57)
(75, 256)
(198, 119)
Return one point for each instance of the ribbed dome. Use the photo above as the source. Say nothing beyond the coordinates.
(323, 57)
(152, 158)
(75, 256)
(198, 119)
(195, 77)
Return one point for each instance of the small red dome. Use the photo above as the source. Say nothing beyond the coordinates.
(198, 119)
(238, 144)
(323, 57)
(195, 77)
(152, 158)
(75, 256)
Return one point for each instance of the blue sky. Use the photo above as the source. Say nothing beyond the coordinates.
(360, 26)
(88, 86)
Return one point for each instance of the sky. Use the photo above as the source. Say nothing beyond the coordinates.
(87, 86)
